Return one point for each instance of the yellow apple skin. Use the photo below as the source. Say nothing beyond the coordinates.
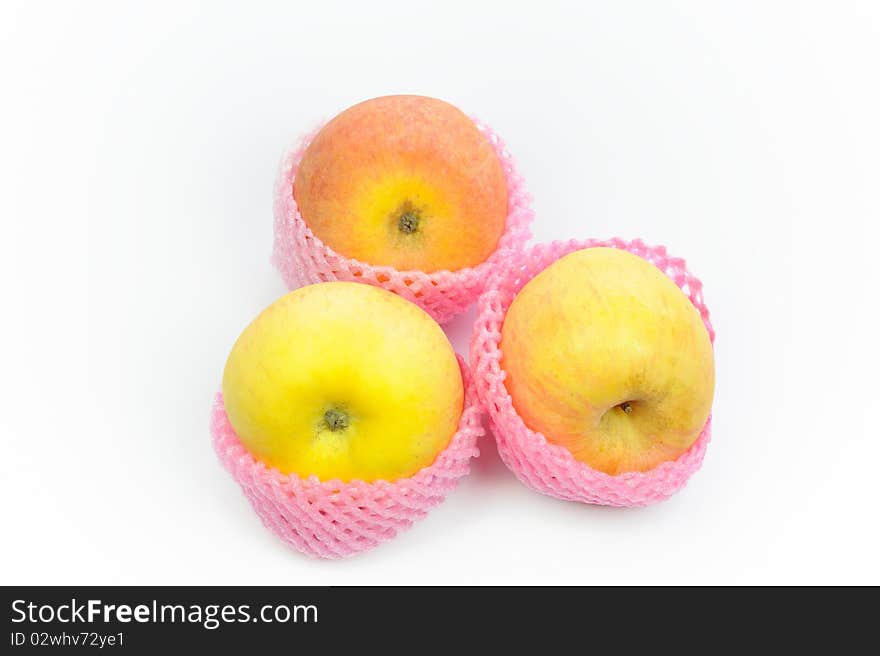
(605, 356)
(344, 381)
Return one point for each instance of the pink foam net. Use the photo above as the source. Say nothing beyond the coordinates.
(302, 258)
(546, 467)
(335, 519)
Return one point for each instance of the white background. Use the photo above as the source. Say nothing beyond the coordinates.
(139, 145)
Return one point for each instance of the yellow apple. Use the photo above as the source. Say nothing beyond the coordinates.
(605, 356)
(343, 380)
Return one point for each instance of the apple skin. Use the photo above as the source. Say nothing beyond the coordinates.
(343, 381)
(404, 181)
(605, 356)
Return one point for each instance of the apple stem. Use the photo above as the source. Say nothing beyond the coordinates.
(408, 223)
(336, 420)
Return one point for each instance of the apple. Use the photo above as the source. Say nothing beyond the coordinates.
(343, 381)
(403, 181)
(605, 356)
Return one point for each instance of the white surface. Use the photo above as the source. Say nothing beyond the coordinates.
(138, 148)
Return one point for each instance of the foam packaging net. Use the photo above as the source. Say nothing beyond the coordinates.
(335, 519)
(303, 259)
(546, 467)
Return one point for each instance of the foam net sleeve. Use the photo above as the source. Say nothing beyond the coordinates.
(549, 468)
(303, 259)
(335, 519)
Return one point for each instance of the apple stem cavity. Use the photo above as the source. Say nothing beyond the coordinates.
(336, 420)
(626, 407)
(408, 222)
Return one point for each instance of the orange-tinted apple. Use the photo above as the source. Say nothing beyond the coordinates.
(605, 356)
(404, 181)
